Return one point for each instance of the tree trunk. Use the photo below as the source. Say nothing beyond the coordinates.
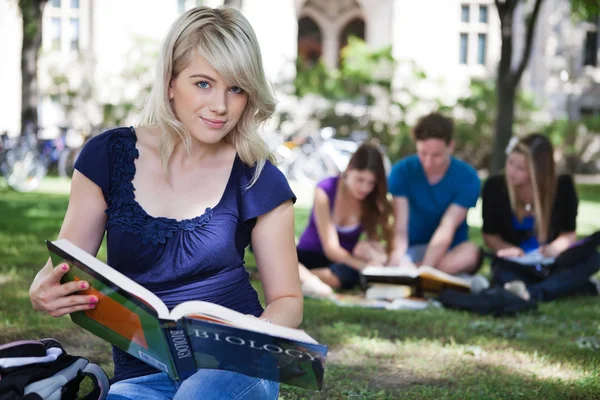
(237, 4)
(504, 123)
(32, 11)
(508, 78)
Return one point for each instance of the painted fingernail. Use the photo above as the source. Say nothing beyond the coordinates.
(84, 285)
(65, 267)
(93, 300)
(91, 305)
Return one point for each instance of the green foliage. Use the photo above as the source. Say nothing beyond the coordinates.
(76, 91)
(31, 11)
(576, 143)
(360, 96)
(585, 10)
(364, 83)
(475, 118)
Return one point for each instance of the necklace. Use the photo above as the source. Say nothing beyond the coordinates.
(528, 207)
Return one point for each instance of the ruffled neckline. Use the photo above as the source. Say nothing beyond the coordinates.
(127, 213)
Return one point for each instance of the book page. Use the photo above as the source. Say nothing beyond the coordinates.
(378, 270)
(532, 258)
(218, 314)
(426, 271)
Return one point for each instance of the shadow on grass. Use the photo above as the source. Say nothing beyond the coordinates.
(27, 220)
(374, 353)
(464, 382)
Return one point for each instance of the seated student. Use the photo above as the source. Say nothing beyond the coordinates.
(432, 192)
(330, 254)
(530, 208)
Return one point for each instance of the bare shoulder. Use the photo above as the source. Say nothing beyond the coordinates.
(147, 138)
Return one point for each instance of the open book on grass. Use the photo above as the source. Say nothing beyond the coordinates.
(193, 335)
(423, 278)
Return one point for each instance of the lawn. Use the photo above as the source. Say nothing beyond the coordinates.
(553, 353)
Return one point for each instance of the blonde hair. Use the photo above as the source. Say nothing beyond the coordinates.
(539, 155)
(225, 39)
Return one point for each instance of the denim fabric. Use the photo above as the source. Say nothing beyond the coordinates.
(206, 384)
(566, 282)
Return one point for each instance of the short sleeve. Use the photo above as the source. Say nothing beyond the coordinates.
(569, 203)
(489, 205)
(468, 192)
(397, 182)
(93, 162)
(270, 190)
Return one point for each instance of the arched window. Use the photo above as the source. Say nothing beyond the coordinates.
(309, 41)
(356, 28)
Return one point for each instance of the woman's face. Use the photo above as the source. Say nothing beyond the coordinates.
(360, 183)
(204, 103)
(517, 169)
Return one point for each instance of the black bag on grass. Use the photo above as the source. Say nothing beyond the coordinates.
(495, 301)
(42, 369)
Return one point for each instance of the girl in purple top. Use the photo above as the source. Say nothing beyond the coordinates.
(330, 254)
(181, 196)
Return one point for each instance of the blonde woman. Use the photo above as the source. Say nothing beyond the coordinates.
(182, 195)
(530, 208)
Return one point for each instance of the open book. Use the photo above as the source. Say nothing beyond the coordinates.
(532, 258)
(193, 335)
(387, 291)
(423, 278)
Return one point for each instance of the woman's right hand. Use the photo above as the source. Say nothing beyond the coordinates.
(47, 294)
(510, 252)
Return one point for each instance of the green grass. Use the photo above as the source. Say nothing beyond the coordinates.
(374, 354)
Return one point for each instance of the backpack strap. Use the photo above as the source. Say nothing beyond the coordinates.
(100, 380)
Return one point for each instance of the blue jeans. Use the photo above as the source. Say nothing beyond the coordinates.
(566, 282)
(204, 384)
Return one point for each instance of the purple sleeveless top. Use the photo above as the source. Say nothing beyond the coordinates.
(310, 241)
(201, 258)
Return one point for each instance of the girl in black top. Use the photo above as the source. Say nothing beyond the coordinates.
(530, 208)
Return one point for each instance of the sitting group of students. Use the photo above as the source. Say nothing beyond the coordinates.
(528, 208)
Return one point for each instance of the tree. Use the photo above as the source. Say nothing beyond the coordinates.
(237, 4)
(31, 11)
(508, 77)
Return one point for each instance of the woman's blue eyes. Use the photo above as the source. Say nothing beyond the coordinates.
(206, 85)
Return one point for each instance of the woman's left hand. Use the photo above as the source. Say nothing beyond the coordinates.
(548, 251)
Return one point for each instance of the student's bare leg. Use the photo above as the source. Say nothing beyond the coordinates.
(311, 283)
(464, 258)
(327, 276)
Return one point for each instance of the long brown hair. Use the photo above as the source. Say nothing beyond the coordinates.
(376, 209)
(539, 153)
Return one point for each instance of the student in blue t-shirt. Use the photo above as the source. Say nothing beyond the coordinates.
(432, 192)
(181, 196)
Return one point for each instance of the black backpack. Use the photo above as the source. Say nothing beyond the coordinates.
(42, 369)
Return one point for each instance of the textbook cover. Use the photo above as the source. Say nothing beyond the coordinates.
(193, 335)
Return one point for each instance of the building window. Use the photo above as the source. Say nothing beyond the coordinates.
(74, 45)
(590, 49)
(74, 3)
(464, 47)
(481, 45)
(55, 3)
(587, 112)
(309, 42)
(56, 33)
(355, 28)
(483, 14)
(464, 13)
